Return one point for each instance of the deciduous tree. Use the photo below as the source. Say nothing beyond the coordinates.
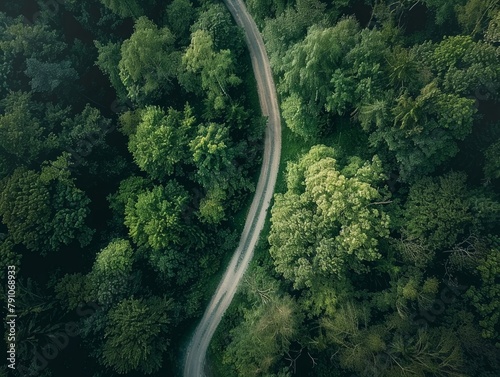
(161, 140)
(136, 335)
(149, 61)
(155, 219)
(328, 221)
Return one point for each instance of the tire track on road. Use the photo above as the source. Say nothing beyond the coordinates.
(196, 352)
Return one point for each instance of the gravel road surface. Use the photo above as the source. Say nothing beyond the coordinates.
(195, 357)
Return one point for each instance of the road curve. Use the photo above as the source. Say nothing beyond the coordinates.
(195, 356)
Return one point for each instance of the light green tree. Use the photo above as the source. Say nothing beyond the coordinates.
(264, 337)
(149, 62)
(154, 220)
(330, 220)
(216, 68)
(161, 140)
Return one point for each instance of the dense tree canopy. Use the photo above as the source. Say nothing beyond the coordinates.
(160, 141)
(154, 219)
(329, 221)
(215, 68)
(135, 335)
(42, 211)
(149, 62)
(377, 251)
(130, 143)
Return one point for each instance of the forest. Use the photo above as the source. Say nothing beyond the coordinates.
(131, 140)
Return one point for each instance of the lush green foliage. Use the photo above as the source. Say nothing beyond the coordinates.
(328, 222)
(135, 335)
(390, 258)
(125, 153)
(129, 146)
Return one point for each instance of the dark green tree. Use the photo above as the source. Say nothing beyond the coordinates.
(438, 211)
(22, 136)
(179, 15)
(46, 77)
(124, 8)
(136, 335)
(485, 297)
(112, 278)
(44, 211)
(108, 59)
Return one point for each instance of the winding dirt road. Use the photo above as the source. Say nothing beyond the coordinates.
(195, 357)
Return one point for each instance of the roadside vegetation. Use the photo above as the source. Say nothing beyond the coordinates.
(381, 251)
(130, 139)
(130, 144)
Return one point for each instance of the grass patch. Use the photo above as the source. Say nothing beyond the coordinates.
(292, 147)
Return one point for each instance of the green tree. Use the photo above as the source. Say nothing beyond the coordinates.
(44, 211)
(425, 130)
(73, 290)
(330, 220)
(438, 211)
(212, 207)
(492, 34)
(22, 136)
(213, 155)
(112, 275)
(160, 142)
(215, 68)
(288, 27)
(461, 64)
(474, 15)
(8, 255)
(124, 8)
(444, 10)
(136, 335)
(45, 77)
(109, 56)
(492, 163)
(180, 14)
(485, 297)
(128, 190)
(309, 66)
(383, 350)
(155, 219)
(31, 41)
(84, 133)
(149, 61)
(264, 337)
(216, 20)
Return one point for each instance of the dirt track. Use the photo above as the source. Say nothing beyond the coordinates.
(195, 357)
